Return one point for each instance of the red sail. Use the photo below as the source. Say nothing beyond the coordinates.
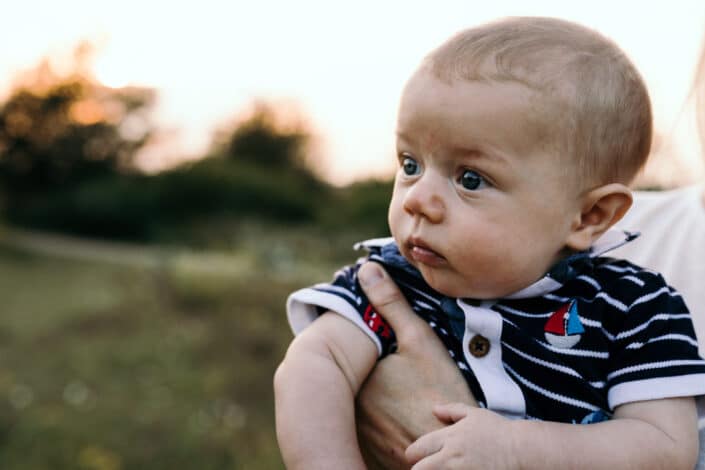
(556, 324)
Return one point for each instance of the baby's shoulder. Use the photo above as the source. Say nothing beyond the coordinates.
(619, 269)
(630, 283)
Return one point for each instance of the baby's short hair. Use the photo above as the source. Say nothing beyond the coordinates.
(593, 104)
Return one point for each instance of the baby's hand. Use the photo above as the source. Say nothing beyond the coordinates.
(474, 438)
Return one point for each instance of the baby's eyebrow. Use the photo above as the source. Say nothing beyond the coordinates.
(480, 154)
(402, 136)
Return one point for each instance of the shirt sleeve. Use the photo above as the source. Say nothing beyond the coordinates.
(345, 297)
(654, 353)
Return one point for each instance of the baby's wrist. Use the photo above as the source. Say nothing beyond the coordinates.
(520, 435)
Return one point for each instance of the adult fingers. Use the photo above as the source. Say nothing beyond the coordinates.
(451, 412)
(389, 302)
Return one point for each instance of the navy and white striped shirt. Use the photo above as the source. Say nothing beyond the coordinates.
(593, 334)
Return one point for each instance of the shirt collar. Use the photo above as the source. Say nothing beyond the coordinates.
(563, 271)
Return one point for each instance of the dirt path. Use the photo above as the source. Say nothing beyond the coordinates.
(236, 264)
(129, 254)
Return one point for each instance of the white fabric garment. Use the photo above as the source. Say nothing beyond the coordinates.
(672, 242)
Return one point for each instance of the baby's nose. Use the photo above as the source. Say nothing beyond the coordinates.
(425, 199)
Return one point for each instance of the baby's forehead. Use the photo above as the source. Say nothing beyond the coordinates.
(503, 146)
(523, 109)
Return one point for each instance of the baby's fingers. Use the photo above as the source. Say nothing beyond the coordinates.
(432, 462)
(423, 447)
(451, 412)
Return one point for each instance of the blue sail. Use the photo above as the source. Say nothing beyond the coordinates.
(574, 327)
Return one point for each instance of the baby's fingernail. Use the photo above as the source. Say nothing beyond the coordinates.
(370, 274)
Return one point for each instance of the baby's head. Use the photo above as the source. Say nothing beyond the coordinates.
(515, 141)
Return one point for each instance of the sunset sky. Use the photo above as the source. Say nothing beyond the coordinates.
(342, 63)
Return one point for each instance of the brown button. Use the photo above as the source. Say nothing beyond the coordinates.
(479, 346)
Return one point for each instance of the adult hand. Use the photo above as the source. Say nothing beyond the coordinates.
(394, 406)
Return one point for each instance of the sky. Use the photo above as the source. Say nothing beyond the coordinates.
(341, 64)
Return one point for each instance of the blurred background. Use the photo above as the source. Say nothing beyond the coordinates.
(170, 171)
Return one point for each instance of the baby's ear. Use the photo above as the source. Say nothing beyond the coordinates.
(602, 207)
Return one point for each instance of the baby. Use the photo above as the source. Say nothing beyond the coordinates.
(516, 141)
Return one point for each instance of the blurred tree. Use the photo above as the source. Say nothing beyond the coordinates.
(267, 136)
(68, 146)
(57, 131)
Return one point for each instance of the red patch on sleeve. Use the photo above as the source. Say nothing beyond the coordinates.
(376, 323)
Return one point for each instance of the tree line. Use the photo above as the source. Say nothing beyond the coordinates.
(68, 149)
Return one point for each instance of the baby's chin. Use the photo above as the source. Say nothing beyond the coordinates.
(454, 288)
(447, 284)
(449, 288)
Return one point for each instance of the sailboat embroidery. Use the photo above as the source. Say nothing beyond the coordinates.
(563, 329)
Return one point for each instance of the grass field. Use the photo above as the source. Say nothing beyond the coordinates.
(107, 366)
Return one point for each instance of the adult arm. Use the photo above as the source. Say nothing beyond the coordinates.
(314, 389)
(394, 406)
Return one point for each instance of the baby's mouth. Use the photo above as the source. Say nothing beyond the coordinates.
(420, 252)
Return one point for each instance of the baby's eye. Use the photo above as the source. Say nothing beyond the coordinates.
(472, 180)
(410, 166)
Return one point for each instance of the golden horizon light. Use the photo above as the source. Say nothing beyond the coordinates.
(340, 66)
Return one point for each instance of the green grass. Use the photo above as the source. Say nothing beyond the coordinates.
(106, 367)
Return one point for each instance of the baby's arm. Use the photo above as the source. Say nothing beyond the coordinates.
(658, 434)
(315, 388)
(642, 435)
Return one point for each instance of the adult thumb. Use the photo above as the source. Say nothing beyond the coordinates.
(388, 301)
